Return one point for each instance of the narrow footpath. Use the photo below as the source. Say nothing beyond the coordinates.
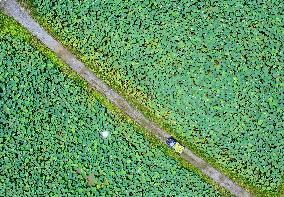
(12, 8)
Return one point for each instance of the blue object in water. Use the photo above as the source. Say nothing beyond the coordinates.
(171, 142)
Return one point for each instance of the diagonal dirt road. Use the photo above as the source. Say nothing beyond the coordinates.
(11, 8)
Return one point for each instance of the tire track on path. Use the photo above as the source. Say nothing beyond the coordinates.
(11, 8)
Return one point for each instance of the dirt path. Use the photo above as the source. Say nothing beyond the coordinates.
(12, 9)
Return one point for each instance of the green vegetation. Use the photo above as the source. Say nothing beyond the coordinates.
(49, 135)
(212, 71)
